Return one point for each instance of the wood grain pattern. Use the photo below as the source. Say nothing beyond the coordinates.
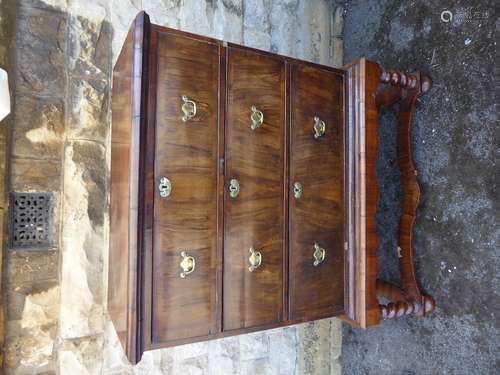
(255, 217)
(186, 153)
(362, 193)
(318, 215)
(150, 304)
(129, 85)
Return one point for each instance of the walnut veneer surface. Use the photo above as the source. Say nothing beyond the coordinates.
(243, 191)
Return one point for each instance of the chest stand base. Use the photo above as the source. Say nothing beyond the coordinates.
(407, 299)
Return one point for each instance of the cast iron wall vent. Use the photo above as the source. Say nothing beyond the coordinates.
(30, 221)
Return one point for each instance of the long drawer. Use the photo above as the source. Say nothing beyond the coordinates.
(316, 263)
(254, 196)
(184, 261)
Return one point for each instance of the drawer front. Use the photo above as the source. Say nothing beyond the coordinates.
(254, 216)
(316, 260)
(185, 226)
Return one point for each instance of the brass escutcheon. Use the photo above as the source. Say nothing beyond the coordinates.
(234, 188)
(257, 118)
(165, 187)
(319, 255)
(319, 127)
(255, 259)
(188, 264)
(297, 190)
(188, 108)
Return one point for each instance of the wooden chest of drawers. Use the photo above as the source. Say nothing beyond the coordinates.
(233, 197)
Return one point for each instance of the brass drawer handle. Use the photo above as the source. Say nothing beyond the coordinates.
(165, 187)
(188, 264)
(319, 255)
(257, 118)
(255, 259)
(234, 188)
(297, 190)
(188, 108)
(319, 127)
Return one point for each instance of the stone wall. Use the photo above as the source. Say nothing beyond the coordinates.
(61, 66)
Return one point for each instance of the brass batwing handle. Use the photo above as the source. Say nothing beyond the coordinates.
(318, 255)
(165, 187)
(234, 188)
(257, 118)
(188, 108)
(319, 127)
(188, 264)
(255, 259)
(297, 190)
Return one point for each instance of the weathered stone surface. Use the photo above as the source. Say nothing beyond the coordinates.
(83, 240)
(228, 20)
(122, 13)
(16, 296)
(314, 347)
(283, 350)
(196, 16)
(256, 32)
(35, 175)
(29, 351)
(39, 128)
(254, 345)
(90, 41)
(41, 49)
(163, 12)
(224, 356)
(320, 15)
(31, 267)
(89, 106)
(114, 359)
(30, 339)
(44, 4)
(81, 356)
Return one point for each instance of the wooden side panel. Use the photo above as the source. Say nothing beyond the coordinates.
(129, 81)
(317, 216)
(186, 153)
(362, 192)
(255, 218)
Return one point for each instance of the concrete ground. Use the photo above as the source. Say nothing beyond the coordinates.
(456, 140)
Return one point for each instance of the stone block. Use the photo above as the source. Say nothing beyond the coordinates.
(89, 113)
(41, 50)
(35, 175)
(30, 268)
(39, 128)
